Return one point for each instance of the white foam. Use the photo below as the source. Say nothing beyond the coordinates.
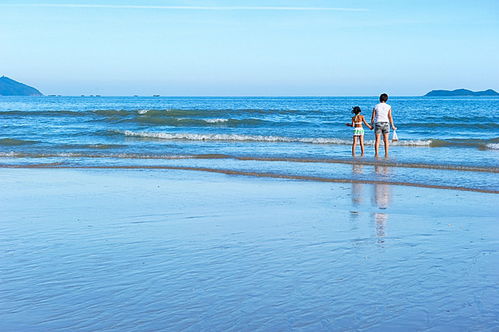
(415, 142)
(260, 138)
(9, 154)
(86, 155)
(234, 137)
(492, 146)
(216, 120)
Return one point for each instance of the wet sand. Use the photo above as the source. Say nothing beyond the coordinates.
(380, 169)
(149, 249)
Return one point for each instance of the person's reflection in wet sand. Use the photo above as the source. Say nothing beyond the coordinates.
(357, 189)
(381, 199)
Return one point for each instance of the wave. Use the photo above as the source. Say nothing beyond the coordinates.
(218, 120)
(386, 163)
(467, 125)
(186, 122)
(153, 112)
(174, 118)
(482, 144)
(492, 146)
(461, 118)
(98, 146)
(476, 143)
(206, 112)
(13, 154)
(256, 138)
(15, 142)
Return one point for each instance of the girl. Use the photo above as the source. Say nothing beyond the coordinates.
(358, 130)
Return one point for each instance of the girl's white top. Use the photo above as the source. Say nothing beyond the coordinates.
(382, 110)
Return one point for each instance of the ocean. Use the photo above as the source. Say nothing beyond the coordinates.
(449, 142)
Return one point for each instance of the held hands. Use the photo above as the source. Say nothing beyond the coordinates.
(394, 128)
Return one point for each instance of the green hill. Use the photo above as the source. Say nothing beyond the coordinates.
(9, 87)
(461, 92)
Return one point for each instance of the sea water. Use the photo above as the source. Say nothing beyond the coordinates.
(299, 136)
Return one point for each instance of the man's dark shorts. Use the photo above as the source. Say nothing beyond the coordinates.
(381, 127)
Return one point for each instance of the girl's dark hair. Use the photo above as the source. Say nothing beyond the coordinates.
(383, 97)
(356, 110)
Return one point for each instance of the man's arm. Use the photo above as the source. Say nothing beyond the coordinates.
(367, 124)
(373, 115)
(391, 119)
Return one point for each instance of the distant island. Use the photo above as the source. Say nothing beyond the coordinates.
(461, 92)
(9, 87)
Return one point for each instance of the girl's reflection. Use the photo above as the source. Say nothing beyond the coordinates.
(357, 188)
(381, 200)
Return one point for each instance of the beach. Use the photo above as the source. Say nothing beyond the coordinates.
(215, 166)
(165, 249)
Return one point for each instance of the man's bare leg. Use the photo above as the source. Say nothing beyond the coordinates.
(387, 143)
(376, 145)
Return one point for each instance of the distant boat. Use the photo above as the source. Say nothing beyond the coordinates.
(155, 95)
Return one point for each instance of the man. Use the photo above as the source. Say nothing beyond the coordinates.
(382, 119)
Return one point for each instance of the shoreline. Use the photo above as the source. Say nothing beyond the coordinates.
(250, 174)
(387, 163)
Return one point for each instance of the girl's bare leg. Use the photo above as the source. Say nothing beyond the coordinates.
(361, 139)
(387, 144)
(354, 144)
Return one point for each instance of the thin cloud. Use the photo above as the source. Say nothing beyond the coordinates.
(274, 8)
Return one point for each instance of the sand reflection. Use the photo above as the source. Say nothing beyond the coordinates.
(381, 199)
(357, 195)
(357, 188)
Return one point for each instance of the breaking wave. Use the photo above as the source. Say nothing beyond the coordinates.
(387, 163)
(256, 138)
(492, 146)
(154, 112)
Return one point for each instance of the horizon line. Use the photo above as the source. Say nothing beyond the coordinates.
(217, 96)
(221, 8)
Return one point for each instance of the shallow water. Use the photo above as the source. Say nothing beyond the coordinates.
(443, 133)
(158, 249)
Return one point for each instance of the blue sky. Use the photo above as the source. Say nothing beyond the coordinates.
(238, 47)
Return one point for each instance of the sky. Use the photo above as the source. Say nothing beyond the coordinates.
(250, 48)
